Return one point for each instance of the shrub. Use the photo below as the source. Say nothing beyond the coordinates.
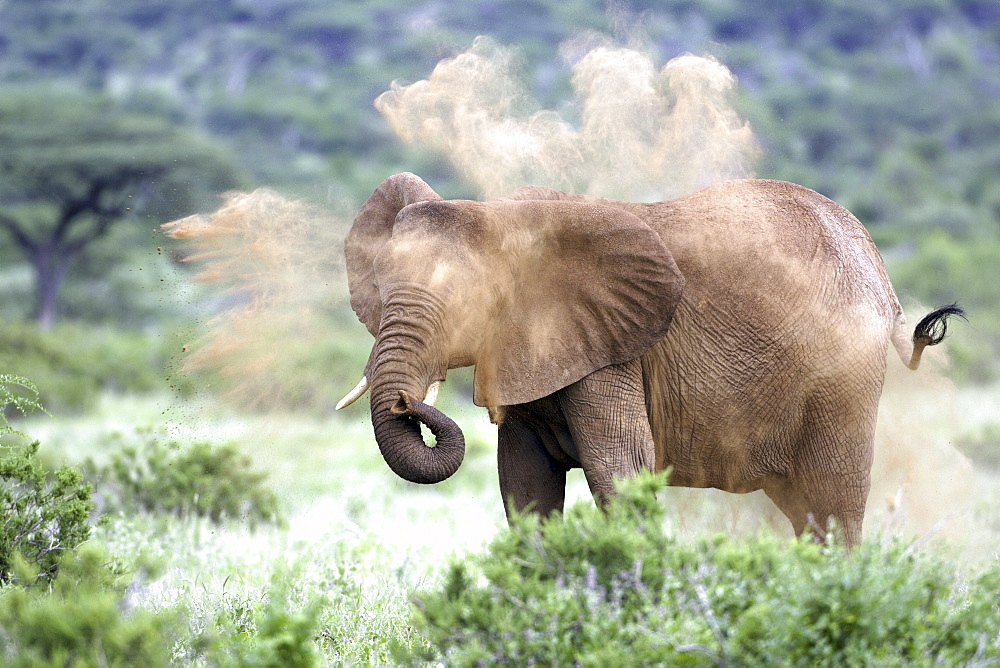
(42, 516)
(202, 479)
(17, 394)
(92, 615)
(607, 588)
(982, 446)
(269, 631)
(84, 619)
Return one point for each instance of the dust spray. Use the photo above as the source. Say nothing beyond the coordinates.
(636, 132)
(643, 134)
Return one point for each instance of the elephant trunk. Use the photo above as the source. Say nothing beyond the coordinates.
(401, 372)
(397, 431)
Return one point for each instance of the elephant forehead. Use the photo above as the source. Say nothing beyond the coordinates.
(419, 254)
(442, 274)
(463, 220)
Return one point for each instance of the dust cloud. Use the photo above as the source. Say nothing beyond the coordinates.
(276, 268)
(277, 263)
(642, 134)
(634, 132)
(922, 486)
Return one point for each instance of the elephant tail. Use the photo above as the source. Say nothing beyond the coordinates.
(930, 331)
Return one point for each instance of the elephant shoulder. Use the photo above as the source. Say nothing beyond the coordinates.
(541, 193)
(538, 192)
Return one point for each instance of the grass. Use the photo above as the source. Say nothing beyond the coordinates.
(359, 540)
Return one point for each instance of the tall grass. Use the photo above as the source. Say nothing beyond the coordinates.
(359, 542)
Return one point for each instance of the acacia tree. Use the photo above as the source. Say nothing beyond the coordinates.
(74, 165)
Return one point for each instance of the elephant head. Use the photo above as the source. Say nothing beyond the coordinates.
(535, 294)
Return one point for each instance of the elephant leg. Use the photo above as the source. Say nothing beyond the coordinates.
(830, 474)
(531, 479)
(606, 415)
(790, 501)
(841, 498)
(810, 502)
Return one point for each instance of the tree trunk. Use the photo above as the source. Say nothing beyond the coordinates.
(50, 270)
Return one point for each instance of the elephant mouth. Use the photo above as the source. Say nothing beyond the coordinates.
(363, 385)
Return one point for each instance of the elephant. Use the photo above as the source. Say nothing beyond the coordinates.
(737, 335)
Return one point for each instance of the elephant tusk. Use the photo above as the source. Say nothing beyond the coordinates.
(354, 394)
(432, 393)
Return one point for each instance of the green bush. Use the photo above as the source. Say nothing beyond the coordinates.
(610, 588)
(73, 363)
(42, 518)
(271, 631)
(982, 446)
(84, 619)
(92, 615)
(17, 395)
(156, 474)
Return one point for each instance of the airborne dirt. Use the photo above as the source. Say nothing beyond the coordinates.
(634, 132)
(642, 134)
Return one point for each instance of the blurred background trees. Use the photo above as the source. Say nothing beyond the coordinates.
(129, 114)
(76, 165)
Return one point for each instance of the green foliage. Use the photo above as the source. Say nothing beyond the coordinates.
(881, 605)
(157, 474)
(19, 394)
(91, 615)
(983, 445)
(271, 631)
(606, 588)
(84, 619)
(70, 146)
(72, 363)
(43, 517)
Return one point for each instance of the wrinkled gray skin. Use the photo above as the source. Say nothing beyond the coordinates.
(737, 335)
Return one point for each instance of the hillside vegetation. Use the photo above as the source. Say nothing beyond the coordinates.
(166, 517)
(892, 110)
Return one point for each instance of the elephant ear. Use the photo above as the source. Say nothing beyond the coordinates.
(371, 230)
(589, 286)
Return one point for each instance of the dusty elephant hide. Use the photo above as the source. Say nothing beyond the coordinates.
(737, 334)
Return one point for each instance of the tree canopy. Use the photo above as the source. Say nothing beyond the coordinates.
(77, 165)
(892, 109)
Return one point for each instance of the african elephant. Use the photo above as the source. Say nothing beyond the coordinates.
(737, 334)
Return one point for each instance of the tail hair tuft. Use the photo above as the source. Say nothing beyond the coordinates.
(932, 329)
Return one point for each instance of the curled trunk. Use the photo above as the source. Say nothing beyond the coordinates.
(402, 368)
(396, 418)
